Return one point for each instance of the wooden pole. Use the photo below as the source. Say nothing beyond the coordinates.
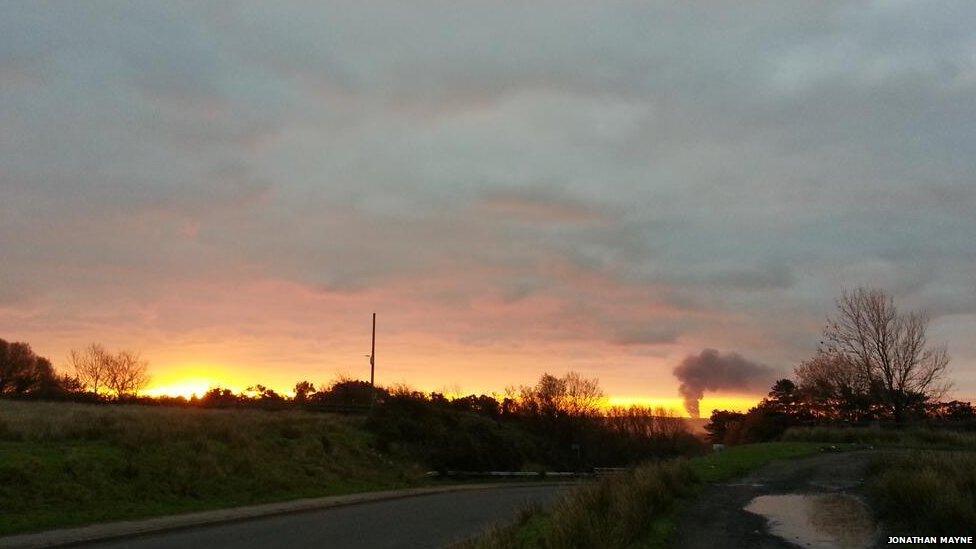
(372, 366)
(372, 356)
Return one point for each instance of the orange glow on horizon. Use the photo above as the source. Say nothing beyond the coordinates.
(735, 403)
(198, 383)
(185, 389)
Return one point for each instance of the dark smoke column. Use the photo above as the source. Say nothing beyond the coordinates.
(713, 371)
(692, 396)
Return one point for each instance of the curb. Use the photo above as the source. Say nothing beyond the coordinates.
(132, 528)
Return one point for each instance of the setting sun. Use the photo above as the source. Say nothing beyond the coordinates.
(186, 389)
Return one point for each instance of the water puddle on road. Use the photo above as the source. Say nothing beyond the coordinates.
(817, 521)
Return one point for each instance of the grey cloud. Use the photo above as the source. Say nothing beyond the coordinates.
(652, 335)
(536, 206)
(741, 162)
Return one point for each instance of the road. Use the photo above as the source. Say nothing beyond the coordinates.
(718, 517)
(424, 521)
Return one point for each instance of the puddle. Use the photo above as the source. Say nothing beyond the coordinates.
(817, 521)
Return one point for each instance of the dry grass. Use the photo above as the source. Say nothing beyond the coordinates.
(912, 437)
(614, 512)
(925, 492)
(633, 509)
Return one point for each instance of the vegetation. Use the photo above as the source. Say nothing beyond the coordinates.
(875, 366)
(918, 437)
(65, 464)
(98, 371)
(558, 423)
(923, 480)
(635, 508)
(543, 427)
(24, 374)
(876, 351)
(930, 492)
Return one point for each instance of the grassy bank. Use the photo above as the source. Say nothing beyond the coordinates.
(925, 492)
(921, 438)
(70, 464)
(636, 508)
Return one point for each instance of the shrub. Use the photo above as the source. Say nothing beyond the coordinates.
(925, 491)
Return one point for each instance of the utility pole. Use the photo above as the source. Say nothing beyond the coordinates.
(372, 366)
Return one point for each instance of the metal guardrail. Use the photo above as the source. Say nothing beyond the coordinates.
(597, 471)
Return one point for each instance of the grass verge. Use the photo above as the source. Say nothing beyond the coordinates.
(931, 493)
(633, 509)
(71, 464)
(903, 438)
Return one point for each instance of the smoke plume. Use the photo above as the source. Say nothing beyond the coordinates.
(713, 371)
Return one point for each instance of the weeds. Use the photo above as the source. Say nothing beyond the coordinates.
(613, 512)
(928, 492)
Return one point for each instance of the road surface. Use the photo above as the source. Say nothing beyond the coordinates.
(718, 517)
(423, 521)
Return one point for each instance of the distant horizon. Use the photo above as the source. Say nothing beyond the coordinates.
(198, 388)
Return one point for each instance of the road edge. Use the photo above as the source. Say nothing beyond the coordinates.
(133, 528)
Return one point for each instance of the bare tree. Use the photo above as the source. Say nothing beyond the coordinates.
(583, 395)
(99, 371)
(91, 367)
(888, 348)
(571, 395)
(127, 374)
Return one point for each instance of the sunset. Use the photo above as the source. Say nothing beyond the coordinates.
(595, 236)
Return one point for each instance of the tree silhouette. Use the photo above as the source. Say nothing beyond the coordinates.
(22, 372)
(887, 348)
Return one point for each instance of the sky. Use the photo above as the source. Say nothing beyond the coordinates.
(232, 188)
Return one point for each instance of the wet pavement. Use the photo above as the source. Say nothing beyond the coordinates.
(817, 521)
(807, 502)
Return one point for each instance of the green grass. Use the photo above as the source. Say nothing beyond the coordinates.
(930, 492)
(637, 508)
(69, 464)
(736, 461)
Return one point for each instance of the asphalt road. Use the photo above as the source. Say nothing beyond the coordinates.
(423, 521)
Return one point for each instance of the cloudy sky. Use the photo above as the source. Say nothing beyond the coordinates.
(232, 188)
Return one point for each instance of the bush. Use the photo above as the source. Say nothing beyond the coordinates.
(925, 491)
(449, 439)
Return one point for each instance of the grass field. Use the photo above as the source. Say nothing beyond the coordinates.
(69, 464)
(637, 508)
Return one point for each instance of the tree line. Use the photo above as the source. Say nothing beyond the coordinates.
(97, 374)
(559, 422)
(875, 365)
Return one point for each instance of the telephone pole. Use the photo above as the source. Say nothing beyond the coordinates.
(372, 355)
(372, 366)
